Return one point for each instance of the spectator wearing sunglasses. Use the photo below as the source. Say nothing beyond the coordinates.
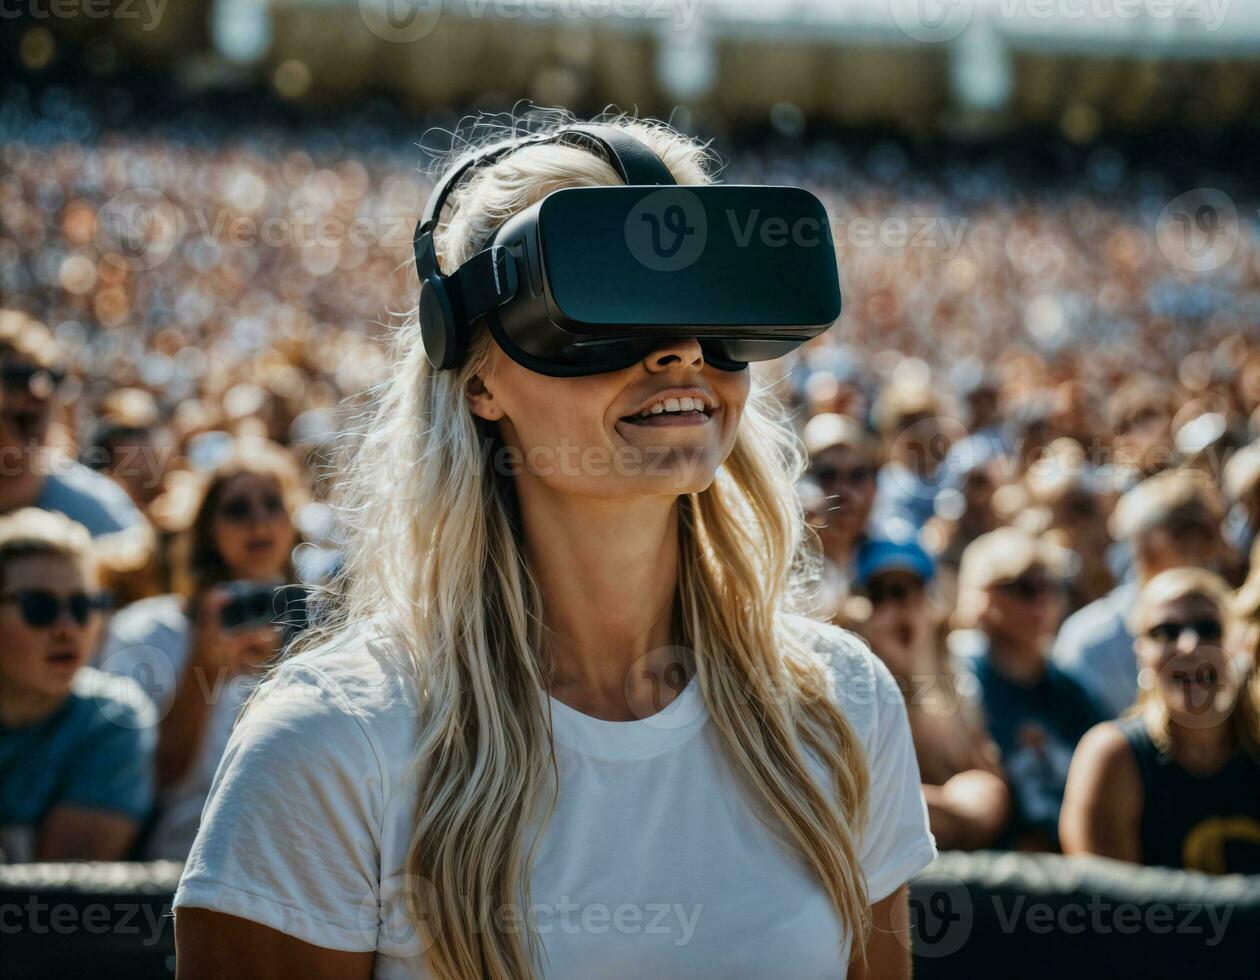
(1176, 782)
(1010, 599)
(842, 467)
(32, 472)
(199, 670)
(1171, 520)
(967, 798)
(76, 745)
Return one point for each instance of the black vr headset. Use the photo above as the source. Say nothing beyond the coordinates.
(593, 279)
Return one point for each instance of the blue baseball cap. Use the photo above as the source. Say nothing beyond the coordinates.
(879, 555)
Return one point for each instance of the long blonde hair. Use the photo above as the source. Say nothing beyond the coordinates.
(1175, 585)
(434, 551)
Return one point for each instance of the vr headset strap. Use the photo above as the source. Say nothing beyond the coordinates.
(633, 161)
(483, 283)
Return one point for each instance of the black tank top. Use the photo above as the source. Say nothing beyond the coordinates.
(1200, 823)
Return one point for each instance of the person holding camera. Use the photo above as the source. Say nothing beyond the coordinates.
(198, 652)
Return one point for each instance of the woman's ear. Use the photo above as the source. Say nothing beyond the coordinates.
(481, 400)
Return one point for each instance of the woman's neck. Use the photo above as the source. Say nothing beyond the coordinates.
(608, 571)
(1018, 661)
(1202, 751)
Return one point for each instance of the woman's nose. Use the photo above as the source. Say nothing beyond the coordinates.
(1188, 641)
(677, 352)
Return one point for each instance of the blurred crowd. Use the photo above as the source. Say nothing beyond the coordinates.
(1033, 470)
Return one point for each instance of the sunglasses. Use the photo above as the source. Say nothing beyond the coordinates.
(1190, 528)
(1082, 506)
(240, 510)
(880, 593)
(832, 476)
(1171, 632)
(1028, 588)
(30, 379)
(40, 607)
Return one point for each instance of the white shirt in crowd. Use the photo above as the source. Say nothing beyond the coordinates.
(653, 863)
(150, 642)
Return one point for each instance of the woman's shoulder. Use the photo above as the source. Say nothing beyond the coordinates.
(862, 686)
(354, 691)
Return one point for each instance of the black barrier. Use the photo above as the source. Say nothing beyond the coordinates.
(974, 916)
(107, 921)
(998, 914)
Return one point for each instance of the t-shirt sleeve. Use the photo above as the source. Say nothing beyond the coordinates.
(290, 835)
(141, 643)
(897, 841)
(113, 768)
(91, 498)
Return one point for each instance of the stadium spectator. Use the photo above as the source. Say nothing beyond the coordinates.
(1176, 782)
(1062, 501)
(1009, 603)
(1168, 521)
(842, 464)
(76, 745)
(198, 670)
(33, 472)
(131, 445)
(962, 515)
(968, 801)
(907, 415)
(1139, 417)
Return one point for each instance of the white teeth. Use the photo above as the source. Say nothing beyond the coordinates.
(674, 405)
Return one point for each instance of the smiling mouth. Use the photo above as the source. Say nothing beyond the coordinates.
(1202, 678)
(672, 411)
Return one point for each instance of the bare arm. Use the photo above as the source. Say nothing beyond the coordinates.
(969, 811)
(888, 946)
(1102, 805)
(79, 833)
(209, 945)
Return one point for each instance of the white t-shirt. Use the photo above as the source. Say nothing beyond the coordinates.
(653, 863)
(150, 641)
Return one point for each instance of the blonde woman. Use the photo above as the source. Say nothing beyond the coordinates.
(1177, 781)
(565, 726)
